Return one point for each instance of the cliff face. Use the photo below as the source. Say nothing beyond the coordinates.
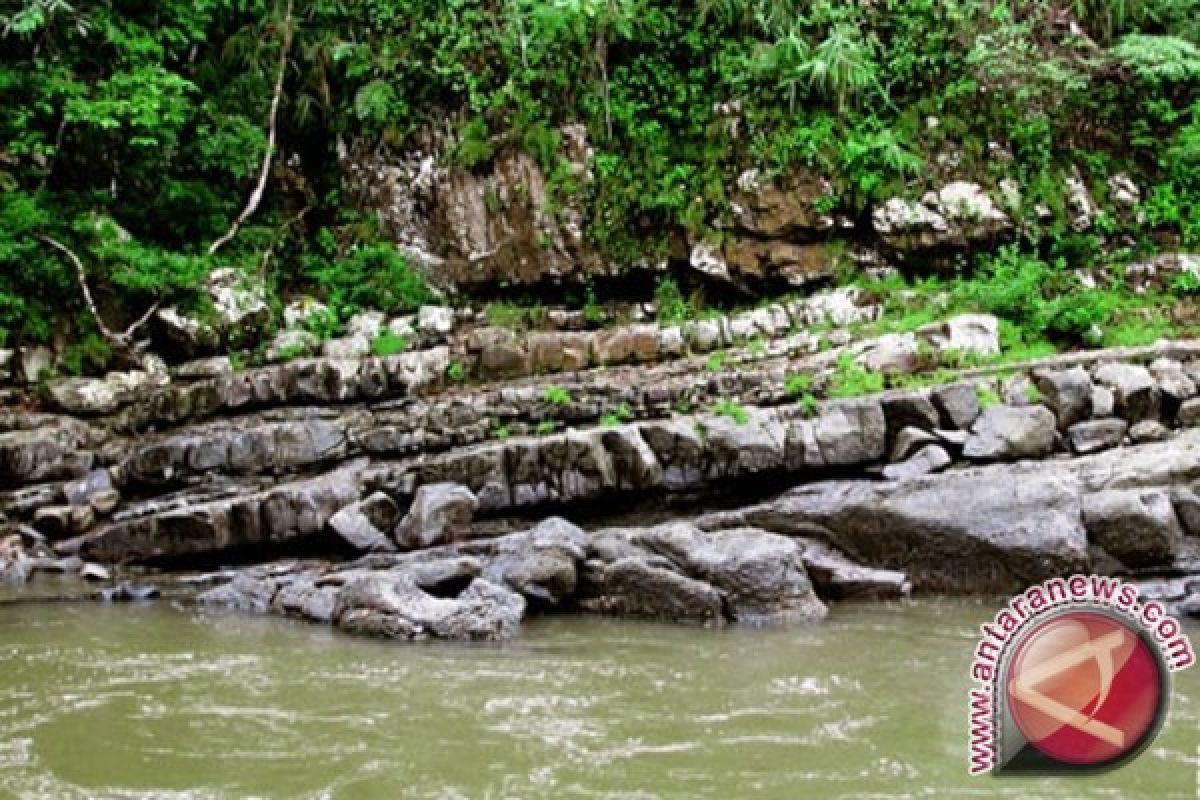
(502, 225)
(474, 229)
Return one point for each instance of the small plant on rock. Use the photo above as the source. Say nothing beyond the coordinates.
(729, 408)
(716, 361)
(797, 384)
(500, 430)
(556, 396)
(809, 406)
(622, 414)
(988, 396)
(851, 379)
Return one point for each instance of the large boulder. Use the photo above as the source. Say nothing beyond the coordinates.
(362, 524)
(992, 529)
(760, 575)
(850, 433)
(1009, 432)
(1137, 527)
(1068, 393)
(392, 604)
(1134, 389)
(440, 513)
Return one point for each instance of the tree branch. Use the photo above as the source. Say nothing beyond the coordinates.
(272, 131)
(120, 340)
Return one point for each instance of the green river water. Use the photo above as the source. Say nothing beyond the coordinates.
(157, 702)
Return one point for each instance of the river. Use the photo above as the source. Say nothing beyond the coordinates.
(157, 702)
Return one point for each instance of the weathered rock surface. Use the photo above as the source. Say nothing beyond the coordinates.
(1139, 528)
(994, 528)
(1006, 433)
(480, 590)
(286, 512)
(441, 513)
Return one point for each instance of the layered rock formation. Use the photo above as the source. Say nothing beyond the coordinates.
(412, 490)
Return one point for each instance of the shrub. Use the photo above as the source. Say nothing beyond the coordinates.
(556, 396)
(377, 277)
(670, 307)
(388, 344)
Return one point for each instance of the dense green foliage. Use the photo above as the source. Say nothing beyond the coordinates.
(135, 131)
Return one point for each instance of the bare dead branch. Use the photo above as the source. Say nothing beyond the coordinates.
(272, 133)
(120, 340)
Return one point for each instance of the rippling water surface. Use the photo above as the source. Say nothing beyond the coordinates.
(153, 702)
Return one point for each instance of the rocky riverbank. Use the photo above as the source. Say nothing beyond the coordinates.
(451, 490)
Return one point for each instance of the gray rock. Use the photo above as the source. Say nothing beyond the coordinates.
(1097, 434)
(891, 352)
(1148, 430)
(1008, 433)
(958, 404)
(760, 575)
(299, 312)
(852, 433)
(435, 320)
(910, 409)
(79, 492)
(1104, 403)
(909, 441)
(362, 524)
(1134, 390)
(85, 396)
(738, 449)
(1068, 393)
(440, 513)
(367, 324)
(94, 572)
(1173, 383)
(1187, 509)
(1137, 527)
(967, 334)
(392, 605)
(239, 300)
(930, 458)
(1018, 390)
(105, 502)
(1079, 203)
(1189, 413)
(285, 512)
(246, 592)
(987, 529)
(631, 587)
(34, 363)
(838, 578)
(541, 565)
(347, 348)
(289, 344)
(303, 597)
